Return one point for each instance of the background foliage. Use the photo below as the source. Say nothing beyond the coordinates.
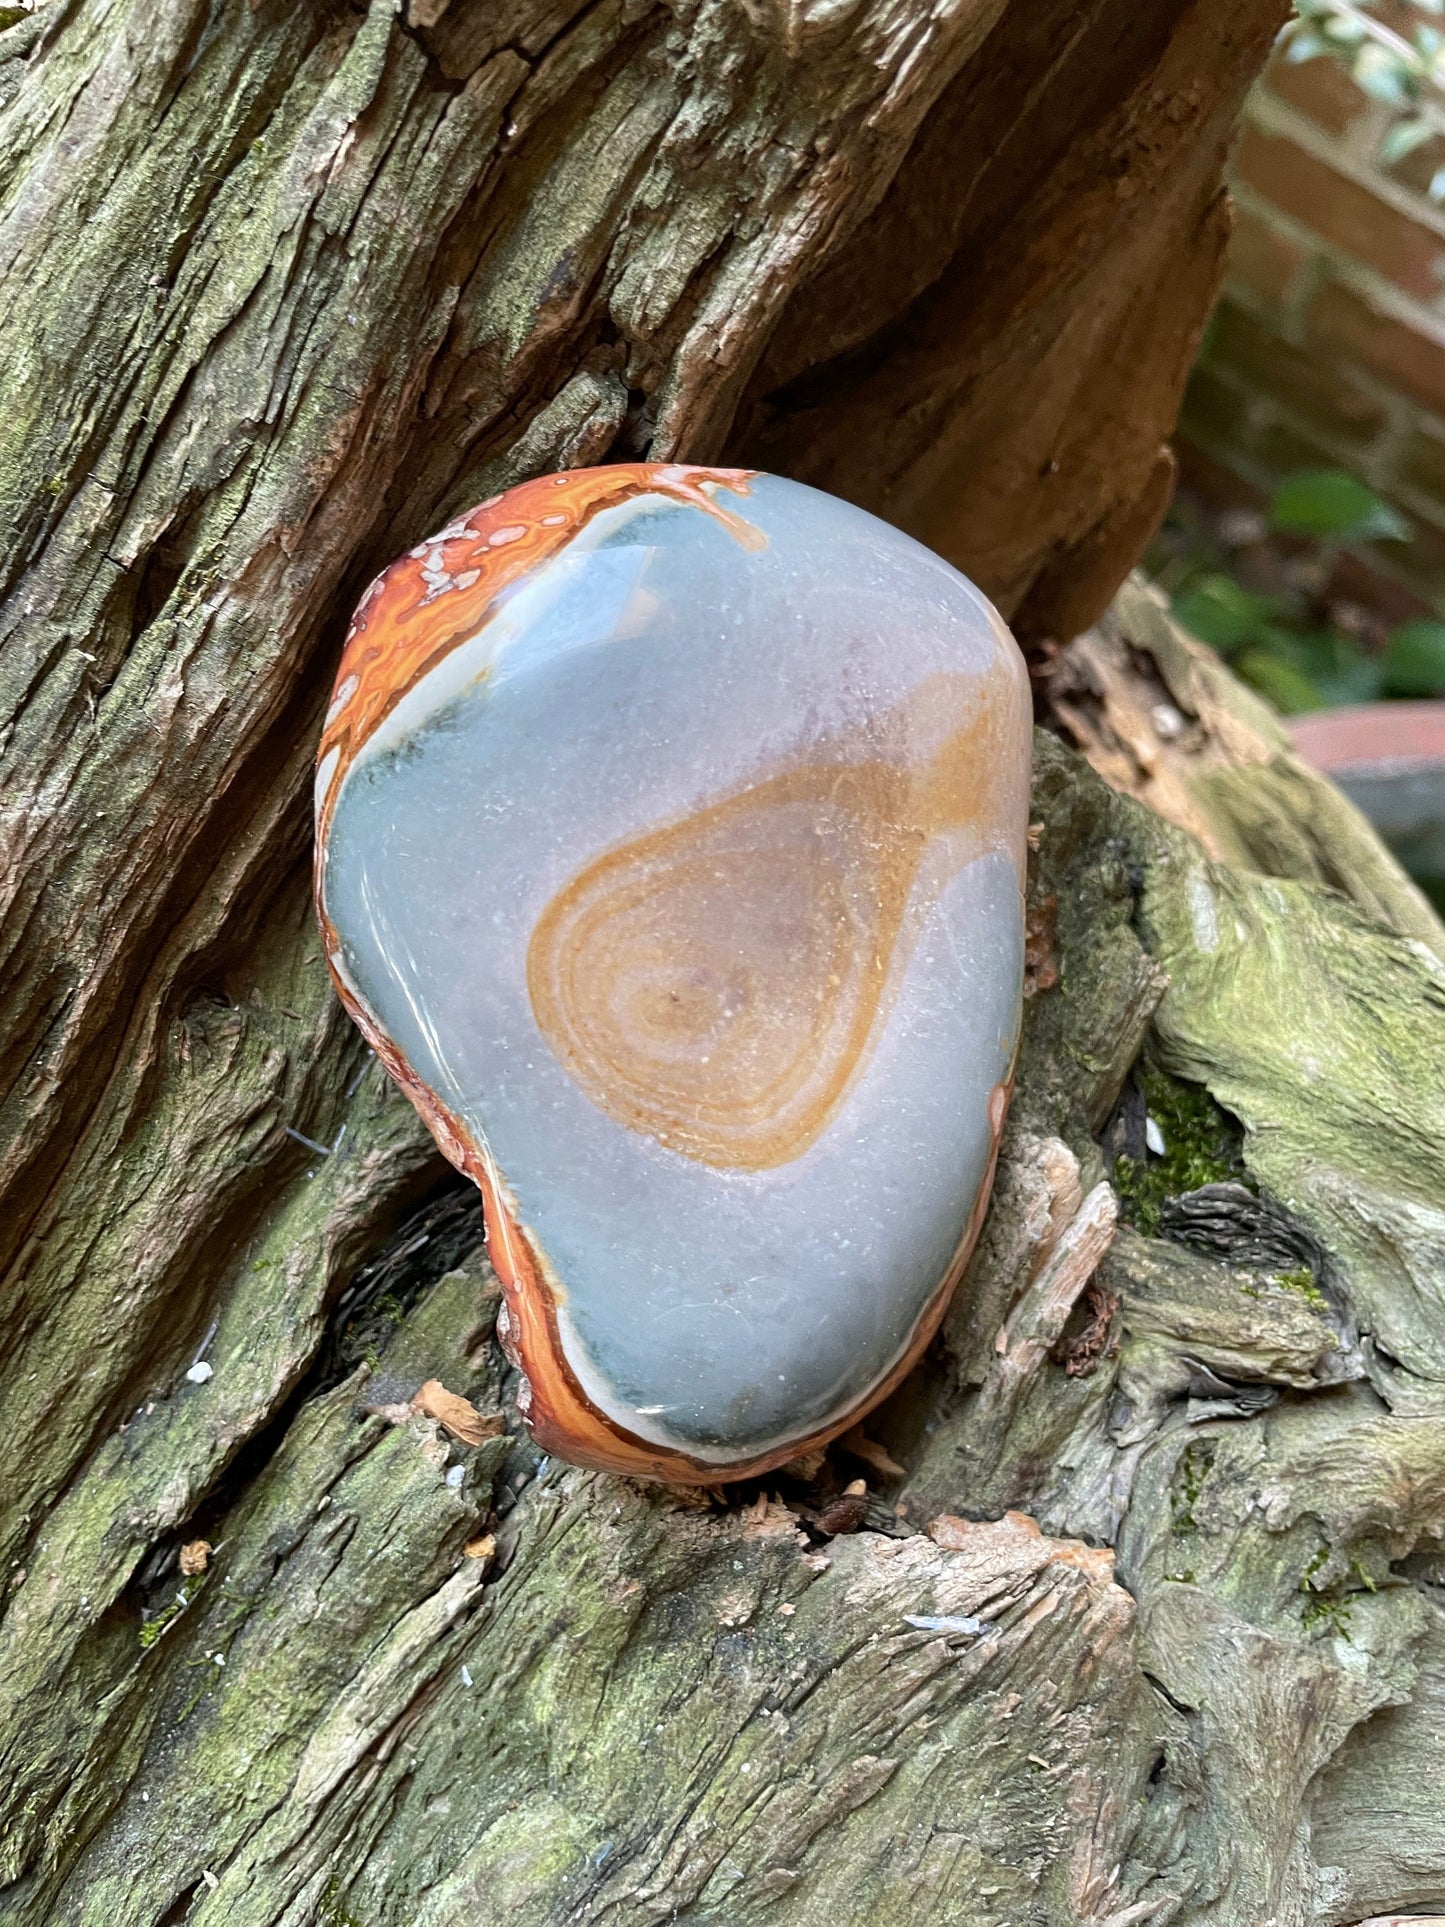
(1255, 587)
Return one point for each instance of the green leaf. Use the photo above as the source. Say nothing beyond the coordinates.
(1403, 138)
(1317, 652)
(1221, 612)
(1383, 75)
(1332, 506)
(1289, 690)
(1414, 663)
(1359, 681)
(1333, 664)
(1305, 46)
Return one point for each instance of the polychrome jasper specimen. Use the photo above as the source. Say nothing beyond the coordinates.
(670, 845)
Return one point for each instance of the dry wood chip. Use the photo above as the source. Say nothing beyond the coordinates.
(692, 1498)
(953, 1534)
(457, 1416)
(393, 1414)
(965, 1535)
(481, 1548)
(195, 1556)
(872, 1453)
(768, 1517)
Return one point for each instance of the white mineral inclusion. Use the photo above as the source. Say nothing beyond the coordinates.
(654, 669)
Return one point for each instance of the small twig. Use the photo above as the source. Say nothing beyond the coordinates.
(321, 1150)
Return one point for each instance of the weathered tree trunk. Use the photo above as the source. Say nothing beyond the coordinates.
(285, 285)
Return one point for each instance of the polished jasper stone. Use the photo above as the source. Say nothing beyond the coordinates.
(671, 838)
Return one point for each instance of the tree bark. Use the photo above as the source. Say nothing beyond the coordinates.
(1143, 1622)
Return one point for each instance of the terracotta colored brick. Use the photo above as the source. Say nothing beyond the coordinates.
(1419, 168)
(1404, 17)
(1356, 578)
(1412, 363)
(1279, 448)
(1320, 88)
(1261, 259)
(1302, 382)
(1213, 412)
(1218, 417)
(1421, 560)
(1342, 212)
(1422, 464)
(1212, 481)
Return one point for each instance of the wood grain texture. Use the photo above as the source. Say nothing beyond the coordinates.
(285, 288)
(1161, 718)
(1009, 332)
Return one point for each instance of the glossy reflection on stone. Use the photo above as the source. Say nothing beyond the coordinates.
(670, 844)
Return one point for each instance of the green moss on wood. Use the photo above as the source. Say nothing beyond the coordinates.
(1189, 1479)
(1301, 1281)
(156, 1623)
(1201, 1146)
